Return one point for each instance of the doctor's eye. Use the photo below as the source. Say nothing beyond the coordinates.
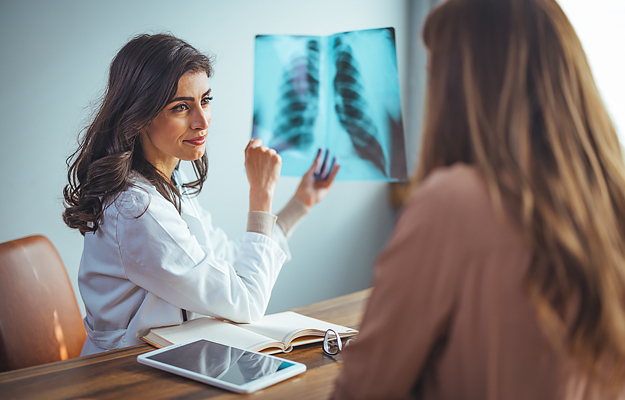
(206, 100)
(180, 107)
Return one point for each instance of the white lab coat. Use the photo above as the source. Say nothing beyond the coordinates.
(138, 271)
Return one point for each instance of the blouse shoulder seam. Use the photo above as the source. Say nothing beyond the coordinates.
(117, 243)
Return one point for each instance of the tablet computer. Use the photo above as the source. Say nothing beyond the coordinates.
(217, 364)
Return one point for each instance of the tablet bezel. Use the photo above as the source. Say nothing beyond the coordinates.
(248, 387)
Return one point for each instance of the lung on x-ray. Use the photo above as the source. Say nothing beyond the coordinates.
(338, 92)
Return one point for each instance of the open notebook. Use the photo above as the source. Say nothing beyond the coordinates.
(272, 334)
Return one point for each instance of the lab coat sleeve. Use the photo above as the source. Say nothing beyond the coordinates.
(193, 213)
(217, 239)
(160, 255)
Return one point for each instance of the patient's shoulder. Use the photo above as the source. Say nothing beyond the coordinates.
(457, 185)
(456, 201)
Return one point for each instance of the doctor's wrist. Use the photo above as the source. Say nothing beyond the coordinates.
(261, 200)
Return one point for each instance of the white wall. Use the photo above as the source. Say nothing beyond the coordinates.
(600, 25)
(54, 58)
(415, 78)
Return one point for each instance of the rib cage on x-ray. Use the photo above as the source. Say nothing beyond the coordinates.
(349, 106)
(299, 102)
(338, 92)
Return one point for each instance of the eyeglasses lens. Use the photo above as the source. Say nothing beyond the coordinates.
(331, 343)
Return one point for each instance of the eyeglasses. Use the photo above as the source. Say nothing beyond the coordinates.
(332, 343)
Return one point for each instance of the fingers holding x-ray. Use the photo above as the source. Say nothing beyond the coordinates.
(323, 170)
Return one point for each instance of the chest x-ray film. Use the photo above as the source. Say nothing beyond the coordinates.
(338, 92)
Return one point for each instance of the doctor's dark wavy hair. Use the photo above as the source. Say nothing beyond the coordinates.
(143, 78)
(510, 91)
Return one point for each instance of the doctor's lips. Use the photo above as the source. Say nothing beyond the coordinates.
(197, 141)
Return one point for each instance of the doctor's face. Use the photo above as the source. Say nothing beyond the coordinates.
(179, 131)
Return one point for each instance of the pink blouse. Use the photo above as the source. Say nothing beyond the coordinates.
(448, 317)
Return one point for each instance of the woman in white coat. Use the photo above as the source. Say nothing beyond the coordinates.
(151, 255)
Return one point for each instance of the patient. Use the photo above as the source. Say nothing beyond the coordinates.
(505, 275)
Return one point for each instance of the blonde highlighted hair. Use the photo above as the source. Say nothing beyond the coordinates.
(510, 91)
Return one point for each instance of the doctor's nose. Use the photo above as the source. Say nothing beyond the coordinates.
(201, 119)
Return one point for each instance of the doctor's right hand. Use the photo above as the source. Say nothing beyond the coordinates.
(262, 166)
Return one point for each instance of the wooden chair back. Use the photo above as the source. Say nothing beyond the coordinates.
(40, 321)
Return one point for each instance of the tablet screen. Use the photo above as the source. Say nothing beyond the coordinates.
(232, 365)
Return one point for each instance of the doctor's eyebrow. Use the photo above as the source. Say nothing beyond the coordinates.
(190, 98)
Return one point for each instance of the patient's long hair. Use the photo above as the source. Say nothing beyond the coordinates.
(143, 78)
(510, 92)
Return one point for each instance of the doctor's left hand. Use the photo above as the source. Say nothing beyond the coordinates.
(317, 181)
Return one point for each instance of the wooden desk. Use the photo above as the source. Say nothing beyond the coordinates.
(117, 374)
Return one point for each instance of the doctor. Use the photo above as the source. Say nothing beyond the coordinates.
(151, 255)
